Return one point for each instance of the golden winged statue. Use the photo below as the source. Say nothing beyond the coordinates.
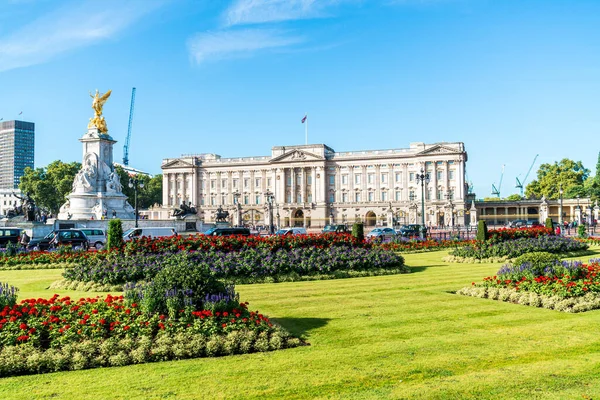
(97, 104)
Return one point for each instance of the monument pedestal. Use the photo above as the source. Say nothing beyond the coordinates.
(97, 190)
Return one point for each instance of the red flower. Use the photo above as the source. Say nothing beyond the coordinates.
(23, 326)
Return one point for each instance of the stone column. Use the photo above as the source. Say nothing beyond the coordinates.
(293, 187)
(313, 184)
(302, 185)
(363, 188)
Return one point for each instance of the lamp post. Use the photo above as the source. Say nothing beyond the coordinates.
(238, 207)
(449, 196)
(560, 205)
(424, 179)
(134, 183)
(278, 217)
(270, 199)
(578, 211)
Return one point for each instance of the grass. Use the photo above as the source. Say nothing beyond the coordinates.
(400, 336)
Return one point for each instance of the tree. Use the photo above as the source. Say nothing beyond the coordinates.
(514, 197)
(49, 186)
(568, 173)
(149, 195)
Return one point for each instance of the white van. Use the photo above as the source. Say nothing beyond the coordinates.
(157, 232)
(291, 231)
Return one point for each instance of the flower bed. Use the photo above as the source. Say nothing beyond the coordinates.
(249, 265)
(515, 248)
(40, 335)
(415, 245)
(65, 256)
(566, 286)
(504, 234)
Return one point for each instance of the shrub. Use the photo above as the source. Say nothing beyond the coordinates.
(581, 231)
(515, 248)
(537, 259)
(115, 234)
(482, 233)
(182, 284)
(358, 231)
(549, 223)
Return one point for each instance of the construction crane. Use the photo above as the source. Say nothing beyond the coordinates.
(521, 184)
(496, 191)
(128, 138)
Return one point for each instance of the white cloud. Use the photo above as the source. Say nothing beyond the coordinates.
(261, 11)
(69, 28)
(238, 43)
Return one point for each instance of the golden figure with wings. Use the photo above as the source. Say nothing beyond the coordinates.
(97, 104)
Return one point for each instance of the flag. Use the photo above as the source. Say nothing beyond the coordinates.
(21, 113)
(304, 119)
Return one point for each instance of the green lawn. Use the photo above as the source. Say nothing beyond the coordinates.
(400, 336)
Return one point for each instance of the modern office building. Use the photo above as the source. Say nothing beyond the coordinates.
(313, 185)
(17, 140)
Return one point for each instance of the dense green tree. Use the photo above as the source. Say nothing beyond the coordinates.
(49, 186)
(568, 173)
(149, 195)
(514, 197)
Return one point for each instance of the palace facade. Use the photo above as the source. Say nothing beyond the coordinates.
(313, 185)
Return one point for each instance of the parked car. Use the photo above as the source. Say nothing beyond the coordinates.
(61, 237)
(96, 237)
(227, 231)
(411, 230)
(155, 232)
(9, 235)
(518, 223)
(291, 231)
(381, 234)
(335, 229)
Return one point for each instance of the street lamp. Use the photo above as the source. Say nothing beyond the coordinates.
(278, 217)
(238, 206)
(270, 199)
(135, 183)
(449, 196)
(424, 179)
(560, 205)
(578, 211)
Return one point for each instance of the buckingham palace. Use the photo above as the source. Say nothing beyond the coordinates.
(313, 185)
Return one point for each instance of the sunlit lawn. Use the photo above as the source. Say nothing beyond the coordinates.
(400, 336)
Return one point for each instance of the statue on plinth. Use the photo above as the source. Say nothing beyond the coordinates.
(97, 104)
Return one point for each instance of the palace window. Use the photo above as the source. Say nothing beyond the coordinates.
(451, 194)
(331, 197)
(384, 196)
(309, 180)
(309, 197)
(257, 182)
(223, 183)
(357, 179)
(257, 199)
(370, 178)
(451, 174)
(213, 183)
(268, 182)
(398, 194)
(344, 179)
(332, 180)
(235, 183)
(398, 176)
(223, 199)
(212, 200)
(246, 183)
(344, 197)
(288, 180)
(384, 178)
(288, 197)
(411, 177)
(246, 199)
(298, 179)
(411, 195)
(357, 197)
(440, 194)
(428, 194)
(371, 196)
(440, 175)
(298, 198)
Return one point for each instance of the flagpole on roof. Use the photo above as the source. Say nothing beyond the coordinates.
(306, 128)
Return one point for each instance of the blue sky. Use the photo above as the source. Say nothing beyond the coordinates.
(510, 78)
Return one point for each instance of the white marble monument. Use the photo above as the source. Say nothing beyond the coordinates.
(97, 190)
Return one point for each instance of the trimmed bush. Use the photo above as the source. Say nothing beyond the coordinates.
(549, 223)
(482, 232)
(581, 231)
(115, 234)
(358, 231)
(537, 259)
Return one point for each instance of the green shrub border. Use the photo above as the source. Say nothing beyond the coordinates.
(588, 302)
(471, 260)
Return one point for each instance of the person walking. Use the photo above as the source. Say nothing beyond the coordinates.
(558, 232)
